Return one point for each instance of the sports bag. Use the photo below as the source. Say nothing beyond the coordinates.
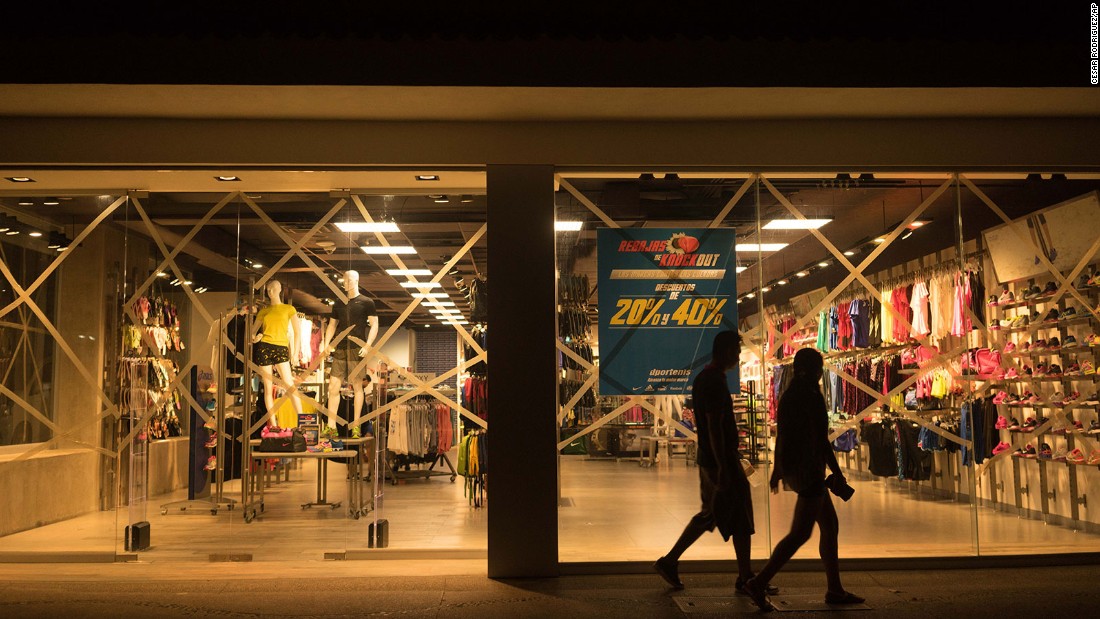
(284, 444)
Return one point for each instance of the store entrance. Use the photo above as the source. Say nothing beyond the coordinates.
(290, 374)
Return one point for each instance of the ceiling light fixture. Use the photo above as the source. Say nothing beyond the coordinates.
(760, 246)
(850, 252)
(466, 199)
(227, 179)
(568, 226)
(161, 274)
(391, 249)
(802, 274)
(441, 200)
(823, 264)
(26, 204)
(796, 224)
(35, 233)
(20, 179)
(367, 226)
(427, 177)
(51, 202)
(405, 272)
(766, 289)
(742, 269)
(257, 265)
(750, 295)
(782, 282)
(421, 285)
(430, 295)
(908, 233)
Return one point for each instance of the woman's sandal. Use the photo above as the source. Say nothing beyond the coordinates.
(758, 592)
(846, 597)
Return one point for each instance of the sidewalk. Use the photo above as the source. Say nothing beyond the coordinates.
(340, 589)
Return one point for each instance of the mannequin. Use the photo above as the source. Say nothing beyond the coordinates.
(276, 335)
(360, 314)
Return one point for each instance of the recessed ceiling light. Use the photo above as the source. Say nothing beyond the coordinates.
(766, 289)
(257, 265)
(760, 246)
(466, 199)
(823, 264)
(367, 226)
(392, 249)
(742, 269)
(918, 223)
(802, 274)
(850, 252)
(12, 232)
(227, 179)
(161, 274)
(427, 177)
(795, 224)
(739, 301)
(568, 226)
(455, 322)
(188, 282)
(750, 295)
(20, 179)
(421, 285)
(782, 282)
(441, 200)
(26, 204)
(430, 295)
(400, 272)
(51, 202)
(880, 239)
(35, 234)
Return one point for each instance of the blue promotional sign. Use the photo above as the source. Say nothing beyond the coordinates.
(663, 296)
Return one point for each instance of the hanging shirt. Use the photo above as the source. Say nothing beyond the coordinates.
(960, 321)
(941, 297)
(919, 306)
(887, 319)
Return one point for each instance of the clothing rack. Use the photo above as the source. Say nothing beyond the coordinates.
(427, 418)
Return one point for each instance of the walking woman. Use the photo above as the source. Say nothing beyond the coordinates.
(802, 451)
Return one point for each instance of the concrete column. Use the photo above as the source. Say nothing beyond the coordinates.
(523, 392)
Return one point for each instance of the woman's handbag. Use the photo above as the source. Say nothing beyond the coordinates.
(839, 486)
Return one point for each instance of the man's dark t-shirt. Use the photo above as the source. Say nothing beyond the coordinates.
(714, 418)
(353, 313)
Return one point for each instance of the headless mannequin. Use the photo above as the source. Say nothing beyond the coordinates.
(369, 333)
(274, 290)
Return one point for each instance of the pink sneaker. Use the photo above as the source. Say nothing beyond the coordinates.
(1002, 423)
(1002, 446)
(1009, 348)
(999, 399)
(1011, 374)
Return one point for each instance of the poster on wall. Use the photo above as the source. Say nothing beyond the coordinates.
(1056, 230)
(663, 295)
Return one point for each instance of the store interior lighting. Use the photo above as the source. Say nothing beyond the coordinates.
(227, 179)
(421, 285)
(796, 224)
(568, 226)
(367, 226)
(430, 295)
(427, 177)
(51, 202)
(20, 179)
(760, 246)
(392, 249)
(742, 269)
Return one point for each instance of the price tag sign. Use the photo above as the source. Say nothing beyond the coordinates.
(663, 295)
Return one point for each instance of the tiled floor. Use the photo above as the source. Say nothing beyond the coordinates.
(616, 511)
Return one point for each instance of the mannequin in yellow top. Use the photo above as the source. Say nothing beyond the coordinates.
(275, 343)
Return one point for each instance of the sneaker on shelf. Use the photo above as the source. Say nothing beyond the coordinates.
(1076, 457)
(1040, 370)
(1089, 340)
(212, 442)
(1029, 451)
(211, 463)
(356, 432)
(1094, 427)
(1094, 457)
(1073, 370)
(1039, 345)
(999, 373)
(1026, 346)
(1071, 398)
(1006, 297)
(1093, 399)
(1087, 369)
(1012, 400)
(1029, 425)
(1011, 374)
(1078, 427)
(992, 300)
(1049, 289)
(1055, 370)
(1059, 455)
(1031, 293)
(1002, 446)
(1017, 322)
(1054, 344)
(1069, 342)
(1002, 423)
(1027, 370)
(1070, 312)
(1010, 348)
(1013, 424)
(1057, 398)
(1052, 316)
(1000, 399)
(1045, 452)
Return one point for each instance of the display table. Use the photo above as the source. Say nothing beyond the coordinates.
(651, 444)
(254, 488)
